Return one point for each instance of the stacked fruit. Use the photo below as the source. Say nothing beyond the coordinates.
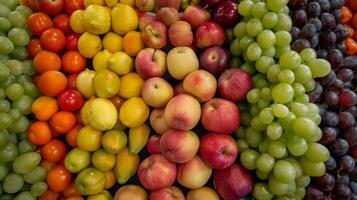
(349, 20)
(21, 177)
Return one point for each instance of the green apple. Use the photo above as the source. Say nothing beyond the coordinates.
(114, 141)
(88, 139)
(105, 195)
(77, 160)
(103, 160)
(90, 181)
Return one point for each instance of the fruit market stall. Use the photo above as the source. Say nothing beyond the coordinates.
(178, 99)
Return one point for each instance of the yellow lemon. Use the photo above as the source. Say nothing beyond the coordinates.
(89, 44)
(88, 139)
(96, 19)
(134, 112)
(113, 42)
(76, 21)
(121, 12)
(120, 63)
(111, 3)
(91, 2)
(131, 85)
(128, 2)
(100, 60)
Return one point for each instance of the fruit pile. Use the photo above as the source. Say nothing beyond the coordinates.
(349, 20)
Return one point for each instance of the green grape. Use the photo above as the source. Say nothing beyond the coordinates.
(235, 62)
(23, 104)
(14, 91)
(282, 93)
(249, 158)
(262, 104)
(297, 167)
(261, 191)
(310, 85)
(262, 175)
(248, 67)
(11, 4)
(277, 187)
(257, 77)
(4, 170)
(245, 8)
(319, 67)
(5, 24)
(277, 149)
(280, 50)
(303, 181)
(31, 90)
(272, 73)
(302, 99)
(265, 94)
(36, 175)
(270, 20)
(317, 152)
(22, 79)
(284, 22)
(257, 124)
(265, 162)
(24, 10)
(299, 89)
(290, 60)
(7, 197)
(12, 183)
(266, 116)
(25, 196)
(6, 46)
(254, 110)
(263, 63)
(315, 118)
(240, 132)
(284, 171)
(4, 10)
(5, 120)
(288, 121)
(254, 27)
(302, 74)
(245, 118)
(39, 188)
(29, 68)
(286, 76)
(26, 146)
(292, 187)
(313, 108)
(304, 127)
(21, 125)
(299, 109)
(312, 168)
(283, 38)
(8, 152)
(234, 48)
(270, 51)
(4, 72)
(280, 110)
(263, 146)
(274, 131)
(300, 193)
(16, 67)
(242, 145)
(261, 83)
(254, 52)
(253, 96)
(245, 41)
(239, 29)
(17, 19)
(285, 10)
(5, 106)
(4, 137)
(266, 39)
(259, 10)
(19, 53)
(275, 5)
(253, 137)
(19, 36)
(308, 54)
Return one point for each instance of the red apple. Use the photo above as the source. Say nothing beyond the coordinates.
(158, 122)
(233, 183)
(180, 34)
(200, 84)
(153, 144)
(169, 3)
(145, 18)
(214, 60)
(217, 150)
(155, 35)
(145, 5)
(226, 14)
(220, 116)
(209, 34)
(179, 89)
(212, 3)
(51, 7)
(194, 174)
(155, 172)
(205, 193)
(183, 112)
(234, 84)
(195, 16)
(179, 146)
(169, 193)
(157, 92)
(71, 41)
(167, 15)
(150, 63)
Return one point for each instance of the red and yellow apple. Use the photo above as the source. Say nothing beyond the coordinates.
(209, 34)
(167, 15)
(145, 5)
(158, 122)
(195, 16)
(157, 92)
(179, 89)
(153, 144)
(181, 61)
(205, 193)
(234, 84)
(193, 174)
(200, 84)
(180, 34)
(154, 35)
(150, 63)
(169, 193)
(145, 18)
(169, 3)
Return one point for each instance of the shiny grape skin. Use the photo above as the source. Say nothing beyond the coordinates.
(325, 182)
(329, 135)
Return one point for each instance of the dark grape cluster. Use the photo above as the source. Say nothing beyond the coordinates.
(315, 25)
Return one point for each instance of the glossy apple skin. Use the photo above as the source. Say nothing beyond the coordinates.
(181, 61)
(195, 16)
(155, 172)
(234, 84)
(153, 144)
(194, 174)
(211, 3)
(183, 112)
(219, 151)
(51, 7)
(157, 92)
(220, 116)
(150, 63)
(233, 183)
(180, 34)
(226, 14)
(200, 84)
(214, 60)
(169, 3)
(179, 146)
(209, 34)
(169, 193)
(145, 18)
(205, 193)
(167, 15)
(155, 35)
(179, 89)
(158, 122)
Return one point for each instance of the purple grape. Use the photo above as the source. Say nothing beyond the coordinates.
(350, 135)
(328, 136)
(325, 182)
(322, 53)
(327, 39)
(295, 32)
(328, 21)
(313, 193)
(300, 45)
(325, 5)
(300, 18)
(353, 174)
(342, 178)
(313, 9)
(316, 22)
(339, 147)
(337, 4)
(314, 40)
(297, 3)
(348, 98)
(328, 80)
(346, 120)
(337, 85)
(345, 74)
(315, 94)
(331, 98)
(342, 191)
(308, 31)
(342, 47)
(337, 14)
(329, 119)
(335, 57)
(352, 110)
(330, 164)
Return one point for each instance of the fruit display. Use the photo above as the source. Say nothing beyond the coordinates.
(178, 99)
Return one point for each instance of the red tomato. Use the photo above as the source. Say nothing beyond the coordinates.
(71, 41)
(70, 100)
(61, 22)
(71, 81)
(59, 179)
(39, 22)
(54, 151)
(51, 7)
(73, 62)
(72, 5)
(34, 47)
(53, 40)
(353, 4)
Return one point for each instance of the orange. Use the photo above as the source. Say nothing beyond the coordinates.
(63, 121)
(109, 179)
(51, 83)
(132, 43)
(44, 107)
(50, 195)
(39, 133)
(46, 61)
(71, 136)
(71, 191)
